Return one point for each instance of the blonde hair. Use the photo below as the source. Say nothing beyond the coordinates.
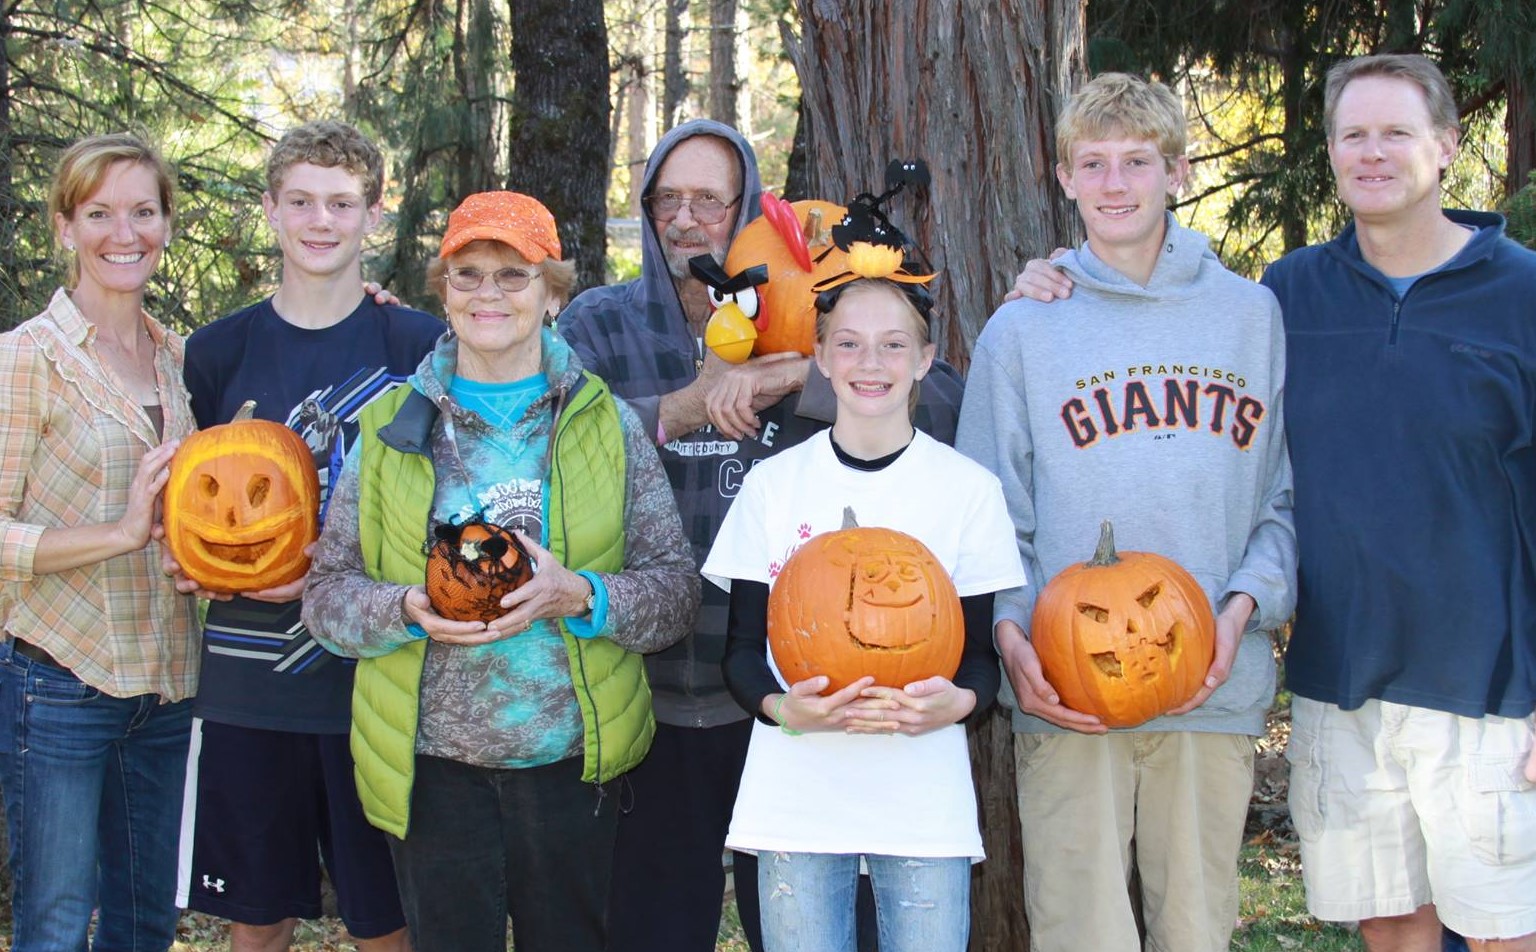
(1119, 105)
(84, 166)
(328, 144)
(1410, 66)
(559, 275)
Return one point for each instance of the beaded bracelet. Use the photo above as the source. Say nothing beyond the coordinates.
(777, 716)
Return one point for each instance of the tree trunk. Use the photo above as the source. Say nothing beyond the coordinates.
(1293, 89)
(11, 307)
(559, 140)
(642, 119)
(1520, 132)
(473, 61)
(940, 80)
(674, 81)
(797, 185)
(724, 82)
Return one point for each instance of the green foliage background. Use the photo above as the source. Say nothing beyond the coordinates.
(216, 81)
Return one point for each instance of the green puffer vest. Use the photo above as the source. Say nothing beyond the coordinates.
(586, 531)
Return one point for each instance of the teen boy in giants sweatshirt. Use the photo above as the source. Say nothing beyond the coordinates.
(1151, 398)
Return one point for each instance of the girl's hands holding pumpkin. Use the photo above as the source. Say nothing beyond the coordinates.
(1230, 622)
(803, 708)
(1035, 694)
(918, 708)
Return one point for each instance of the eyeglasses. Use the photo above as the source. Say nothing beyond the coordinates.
(706, 208)
(508, 279)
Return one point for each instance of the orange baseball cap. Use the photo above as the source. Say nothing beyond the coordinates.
(512, 218)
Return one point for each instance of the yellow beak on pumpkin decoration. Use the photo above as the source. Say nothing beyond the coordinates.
(730, 333)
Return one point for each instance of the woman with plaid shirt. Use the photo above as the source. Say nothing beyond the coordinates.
(99, 654)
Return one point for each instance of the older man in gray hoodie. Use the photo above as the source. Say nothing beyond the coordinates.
(712, 422)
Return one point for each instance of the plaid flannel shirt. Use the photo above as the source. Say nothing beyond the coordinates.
(70, 442)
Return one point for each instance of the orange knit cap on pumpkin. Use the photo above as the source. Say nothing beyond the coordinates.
(512, 218)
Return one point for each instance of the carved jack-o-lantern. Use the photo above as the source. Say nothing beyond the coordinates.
(861, 602)
(1124, 636)
(471, 566)
(242, 502)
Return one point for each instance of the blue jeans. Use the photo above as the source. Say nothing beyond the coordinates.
(807, 900)
(93, 789)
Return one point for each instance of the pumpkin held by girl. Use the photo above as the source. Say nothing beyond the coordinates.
(864, 601)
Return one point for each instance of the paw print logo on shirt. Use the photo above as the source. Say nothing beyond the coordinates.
(804, 531)
(774, 568)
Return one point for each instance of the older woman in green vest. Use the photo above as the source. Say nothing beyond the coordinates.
(491, 750)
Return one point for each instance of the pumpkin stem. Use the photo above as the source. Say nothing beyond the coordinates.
(849, 522)
(814, 233)
(247, 411)
(1105, 554)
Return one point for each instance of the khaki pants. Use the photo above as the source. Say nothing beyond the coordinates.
(1171, 803)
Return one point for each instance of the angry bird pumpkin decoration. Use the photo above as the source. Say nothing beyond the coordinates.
(471, 566)
(864, 601)
(241, 504)
(1124, 636)
(793, 240)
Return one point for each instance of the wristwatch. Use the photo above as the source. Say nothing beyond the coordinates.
(591, 596)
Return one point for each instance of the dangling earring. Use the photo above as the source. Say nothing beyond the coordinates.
(69, 246)
(167, 241)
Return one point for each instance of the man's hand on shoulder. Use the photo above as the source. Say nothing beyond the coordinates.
(1040, 281)
(380, 294)
(739, 391)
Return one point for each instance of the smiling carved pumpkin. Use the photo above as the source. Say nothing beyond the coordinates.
(242, 502)
(470, 566)
(1125, 636)
(864, 601)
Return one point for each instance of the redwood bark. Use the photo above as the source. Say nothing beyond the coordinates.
(971, 86)
(559, 135)
(1520, 131)
(724, 74)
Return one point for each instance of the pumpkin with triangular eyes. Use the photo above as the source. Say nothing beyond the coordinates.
(241, 504)
(1125, 636)
(471, 566)
(864, 601)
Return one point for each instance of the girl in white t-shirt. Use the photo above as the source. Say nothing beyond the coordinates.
(871, 773)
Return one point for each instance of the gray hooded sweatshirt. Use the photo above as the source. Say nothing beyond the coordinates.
(1158, 408)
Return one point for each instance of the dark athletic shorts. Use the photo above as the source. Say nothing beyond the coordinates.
(262, 808)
